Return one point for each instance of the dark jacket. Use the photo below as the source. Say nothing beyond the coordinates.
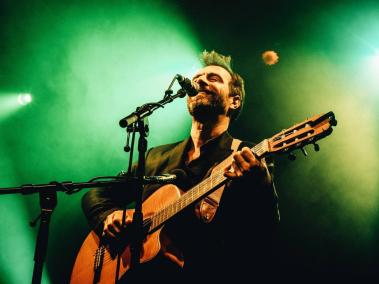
(242, 227)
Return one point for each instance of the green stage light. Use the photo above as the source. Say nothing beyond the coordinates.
(24, 99)
(9, 104)
(91, 65)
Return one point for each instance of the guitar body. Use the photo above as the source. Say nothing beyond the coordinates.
(83, 270)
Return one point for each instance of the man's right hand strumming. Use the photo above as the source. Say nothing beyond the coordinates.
(113, 224)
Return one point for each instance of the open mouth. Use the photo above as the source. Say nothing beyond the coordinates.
(207, 92)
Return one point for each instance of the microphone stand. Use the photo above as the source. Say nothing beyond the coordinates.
(48, 192)
(147, 109)
(137, 121)
(136, 245)
(48, 202)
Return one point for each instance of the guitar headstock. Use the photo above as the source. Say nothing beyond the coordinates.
(307, 132)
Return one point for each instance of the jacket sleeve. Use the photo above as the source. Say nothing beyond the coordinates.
(99, 202)
(255, 197)
(251, 201)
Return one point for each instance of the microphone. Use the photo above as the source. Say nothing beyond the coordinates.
(191, 88)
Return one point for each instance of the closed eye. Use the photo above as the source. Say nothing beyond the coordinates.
(214, 78)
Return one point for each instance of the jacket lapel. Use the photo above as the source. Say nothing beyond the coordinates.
(176, 155)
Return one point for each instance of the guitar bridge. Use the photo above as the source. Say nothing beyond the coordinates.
(99, 258)
(98, 263)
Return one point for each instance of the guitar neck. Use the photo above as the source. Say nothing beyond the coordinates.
(199, 191)
(295, 137)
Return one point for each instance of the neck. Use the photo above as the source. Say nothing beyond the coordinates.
(201, 132)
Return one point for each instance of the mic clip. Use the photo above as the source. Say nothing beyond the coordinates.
(163, 179)
(188, 87)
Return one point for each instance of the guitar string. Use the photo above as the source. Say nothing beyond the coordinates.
(214, 178)
(165, 213)
(184, 200)
(188, 197)
(194, 193)
(259, 150)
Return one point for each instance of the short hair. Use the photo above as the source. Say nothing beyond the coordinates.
(237, 85)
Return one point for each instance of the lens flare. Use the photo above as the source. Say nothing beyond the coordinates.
(270, 57)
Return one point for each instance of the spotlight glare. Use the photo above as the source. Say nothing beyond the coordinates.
(24, 99)
(270, 57)
(375, 59)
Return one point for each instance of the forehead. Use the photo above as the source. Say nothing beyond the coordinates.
(213, 69)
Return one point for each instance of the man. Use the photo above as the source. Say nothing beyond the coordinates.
(220, 238)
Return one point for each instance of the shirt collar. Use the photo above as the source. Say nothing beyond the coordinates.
(217, 145)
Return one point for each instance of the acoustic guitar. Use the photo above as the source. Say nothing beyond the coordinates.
(96, 261)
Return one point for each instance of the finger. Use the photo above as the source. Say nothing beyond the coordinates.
(252, 160)
(115, 224)
(229, 171)
(235, 171)
(228, 168)
(248, 156)
(240, 161)
(113, 229)
(128, 220)
(229, 174)
(107, 232)
(108, 229)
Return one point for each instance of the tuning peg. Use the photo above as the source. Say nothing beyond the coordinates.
(317, 147)
(304, 151)
(291, 156)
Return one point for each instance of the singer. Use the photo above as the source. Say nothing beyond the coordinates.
(225, 236)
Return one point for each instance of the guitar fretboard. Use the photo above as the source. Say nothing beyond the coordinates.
(199, 191)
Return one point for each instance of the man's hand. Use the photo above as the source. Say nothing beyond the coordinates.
(244, 162)
(113, 223)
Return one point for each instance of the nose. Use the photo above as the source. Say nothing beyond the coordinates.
(201, 80)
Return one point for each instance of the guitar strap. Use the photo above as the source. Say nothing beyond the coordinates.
(207, 207)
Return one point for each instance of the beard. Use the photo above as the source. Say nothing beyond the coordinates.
(206, 107)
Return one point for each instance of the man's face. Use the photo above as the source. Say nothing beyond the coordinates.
(213, 98)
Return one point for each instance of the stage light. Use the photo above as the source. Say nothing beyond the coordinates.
(24, 99)
(9, 103)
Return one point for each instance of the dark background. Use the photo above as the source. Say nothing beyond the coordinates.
(328, 201)
(313, 244)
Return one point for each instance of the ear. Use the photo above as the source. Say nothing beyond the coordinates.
(235, 102)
